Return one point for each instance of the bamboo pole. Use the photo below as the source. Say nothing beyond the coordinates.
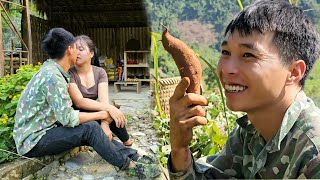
(17, 9)
(1, 48)
(12, 26)
(29, 30)
(13, 3)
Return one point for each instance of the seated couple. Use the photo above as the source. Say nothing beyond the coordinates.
(45, 121)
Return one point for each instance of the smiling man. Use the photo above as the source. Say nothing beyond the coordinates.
(268, 51)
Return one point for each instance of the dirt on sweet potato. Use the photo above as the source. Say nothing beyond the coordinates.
(185, 59)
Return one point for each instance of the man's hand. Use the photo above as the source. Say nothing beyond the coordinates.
(93, 116)
(108, 119)
(117, 116)
(185, 112)
(103, 114)
(106, 129)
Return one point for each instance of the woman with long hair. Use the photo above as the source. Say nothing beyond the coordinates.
(89, 82)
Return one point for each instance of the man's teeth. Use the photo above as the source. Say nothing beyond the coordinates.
(234, 88)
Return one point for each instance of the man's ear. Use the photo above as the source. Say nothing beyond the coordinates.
(68, 50)
(297, 71)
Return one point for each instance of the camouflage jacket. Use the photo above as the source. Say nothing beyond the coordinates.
(292, 153)
(44, 101)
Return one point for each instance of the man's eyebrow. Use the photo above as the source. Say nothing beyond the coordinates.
(249, 46)
(245, 45)
(224, 43)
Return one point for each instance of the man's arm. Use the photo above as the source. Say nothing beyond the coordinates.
(59, 100)
(92, 116)
(218, 166)
(185, 113)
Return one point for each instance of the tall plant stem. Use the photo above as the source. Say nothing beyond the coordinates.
(214, 70)
(156, 71)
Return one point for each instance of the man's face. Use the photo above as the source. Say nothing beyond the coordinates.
(73, 53)
(251, 72)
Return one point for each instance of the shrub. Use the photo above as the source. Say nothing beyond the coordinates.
(11, 87)
(313, 84)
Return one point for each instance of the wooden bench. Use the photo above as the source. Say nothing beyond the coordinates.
(117, 85)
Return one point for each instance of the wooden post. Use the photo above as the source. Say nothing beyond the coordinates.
(1, 48)
(29, 30)
(11, 57)
(26, 29)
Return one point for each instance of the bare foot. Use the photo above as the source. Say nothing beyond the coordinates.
(129, 142)
(132, 164)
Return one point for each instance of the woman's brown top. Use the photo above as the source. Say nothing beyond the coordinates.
(99, 74)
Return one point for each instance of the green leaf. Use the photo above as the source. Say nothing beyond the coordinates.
(213, 151)
(18, 88)
(8, 106)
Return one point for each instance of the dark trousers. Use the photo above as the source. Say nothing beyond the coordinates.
(121, 133)
(60, 139)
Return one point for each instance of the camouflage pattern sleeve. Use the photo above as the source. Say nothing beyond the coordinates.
(293, 152)
(59, 100)
(312, 169)
(227, 164)
(188, 174)
(230, 160)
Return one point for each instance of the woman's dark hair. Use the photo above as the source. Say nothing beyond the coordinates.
(92, 48)
(56, 41)
(295, 36)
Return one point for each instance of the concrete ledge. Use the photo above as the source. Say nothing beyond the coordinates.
(21, 168)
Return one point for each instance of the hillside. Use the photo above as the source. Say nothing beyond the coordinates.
(201, 25)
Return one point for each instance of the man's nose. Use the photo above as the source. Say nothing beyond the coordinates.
(230, 65)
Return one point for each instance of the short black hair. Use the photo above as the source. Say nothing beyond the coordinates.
(56, 41)
(295, 35)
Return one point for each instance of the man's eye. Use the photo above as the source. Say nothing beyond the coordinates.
(248, 55)
(224, 52)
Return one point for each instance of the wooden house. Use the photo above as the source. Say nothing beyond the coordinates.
(109, 23)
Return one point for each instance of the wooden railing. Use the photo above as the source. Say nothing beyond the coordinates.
(11, 63)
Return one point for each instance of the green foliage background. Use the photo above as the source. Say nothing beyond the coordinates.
(216, 13)
(312, 87)
(15, 16)
(11, 87)
(8, 34)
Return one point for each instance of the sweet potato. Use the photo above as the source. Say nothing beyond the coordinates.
(185, 59)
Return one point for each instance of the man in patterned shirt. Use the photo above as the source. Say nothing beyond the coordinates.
(45, 122)
(268, 51)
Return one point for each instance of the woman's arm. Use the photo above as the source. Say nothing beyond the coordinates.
(103, 92)
(84, 103)
(114, 112)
